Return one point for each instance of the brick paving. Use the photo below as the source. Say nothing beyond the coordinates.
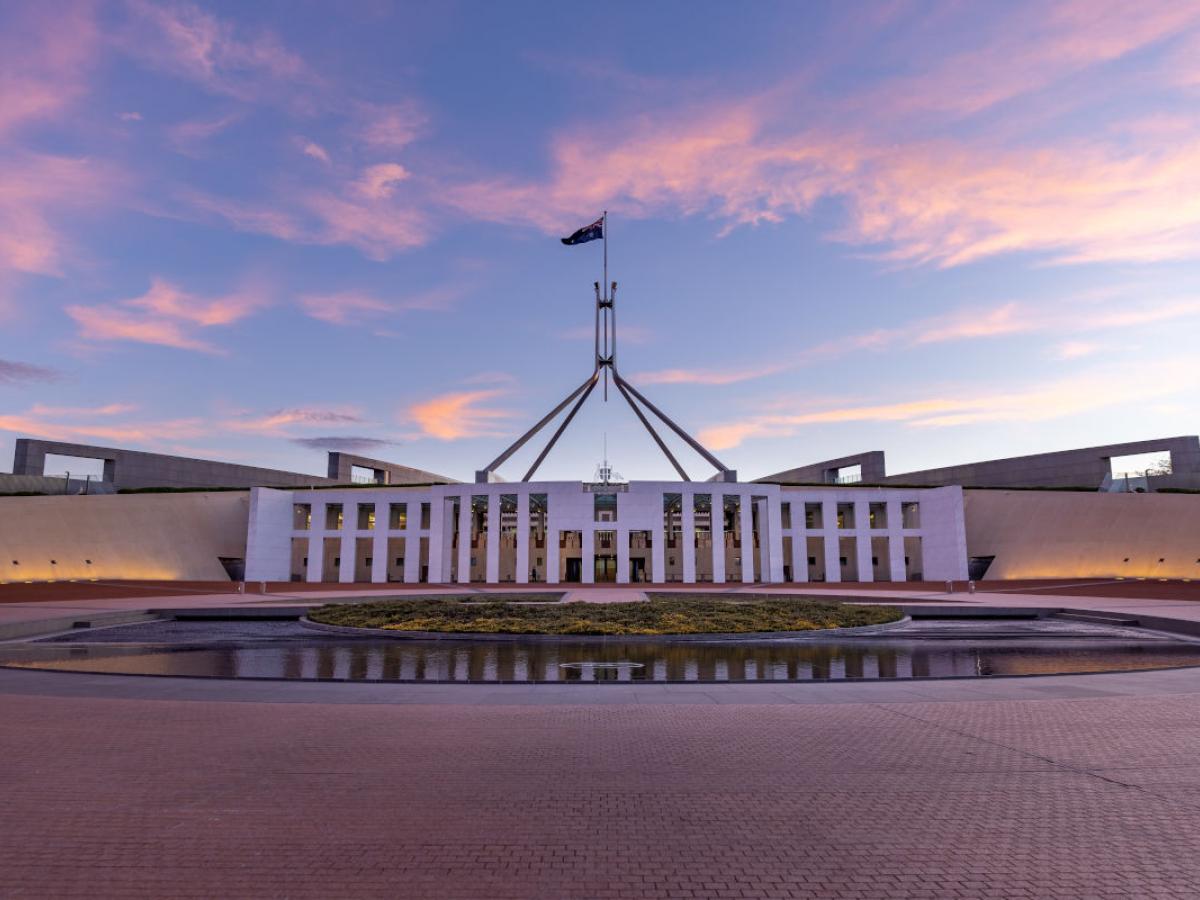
(109, 797)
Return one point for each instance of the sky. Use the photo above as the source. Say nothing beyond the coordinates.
(257, 232)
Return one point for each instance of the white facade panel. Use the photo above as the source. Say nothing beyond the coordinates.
(936, 531)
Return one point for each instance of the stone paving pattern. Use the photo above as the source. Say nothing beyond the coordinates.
(1090, 797)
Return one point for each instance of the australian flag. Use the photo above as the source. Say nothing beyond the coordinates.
(592, 232)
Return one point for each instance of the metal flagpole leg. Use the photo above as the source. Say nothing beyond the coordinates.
(691, 441)
(563, 427)
(521, 441)
(650, 428)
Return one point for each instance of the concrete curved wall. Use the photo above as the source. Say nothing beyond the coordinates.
(1062, 534)
(127, 536)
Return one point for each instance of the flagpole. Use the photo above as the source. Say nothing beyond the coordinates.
(604, 233)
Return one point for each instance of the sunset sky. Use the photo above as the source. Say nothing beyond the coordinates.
(254, 231)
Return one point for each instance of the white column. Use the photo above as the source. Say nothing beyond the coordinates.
(412, 543)
(553, 536)
(658, 547)
(464, 539)
(588, 554)
(493, 538)
(523, 538)
(833, 565)
(688, 538)
(316, 549)
(771, 514)
(717, 531)
(895, 542)
(622, 556)
(349, 549)
(746, 508)
(379, 547)
(799, 548)
(862, 540)
(439, 564)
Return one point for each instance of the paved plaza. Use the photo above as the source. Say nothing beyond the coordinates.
(1087, 786)
(1070, 786)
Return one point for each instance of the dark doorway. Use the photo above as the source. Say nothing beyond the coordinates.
(574, 569)
(637, 570)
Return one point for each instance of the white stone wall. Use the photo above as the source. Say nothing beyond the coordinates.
(639, 508)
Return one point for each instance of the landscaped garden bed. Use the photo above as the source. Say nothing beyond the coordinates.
(661, 615)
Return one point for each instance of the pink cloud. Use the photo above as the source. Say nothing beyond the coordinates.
(378, 227)
(188, 137)
(1067, 316)
(1087, 392)
(165, 315)
(1026, 48)
(390, 127)
(378, 182)
(315, 150)
(460, 414)
(189, 42)
(282, 421)
(35, 191)
(147, 432)
(940, 200)
(45, 55)
(357, 307)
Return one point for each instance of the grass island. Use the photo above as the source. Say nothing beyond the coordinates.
(659, 615)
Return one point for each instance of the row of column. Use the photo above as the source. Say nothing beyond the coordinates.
(862, 540)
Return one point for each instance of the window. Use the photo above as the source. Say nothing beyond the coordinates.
(814, 517)
(424, 515)
(366, 516)
(878, 515)
(844, 475)
(397, 516)
(672, 518)
(333, 517)
(785, 514)
(1141, 465)
(301, 517)
(604, 507)
(366, 475)
(845, 515)
(910, 514)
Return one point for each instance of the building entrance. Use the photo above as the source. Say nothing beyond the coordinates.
(637, 571)
(606, 568)
(574, 569)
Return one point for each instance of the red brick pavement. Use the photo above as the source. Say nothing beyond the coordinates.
(169, 798)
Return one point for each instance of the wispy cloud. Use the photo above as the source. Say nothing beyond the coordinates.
(165, 315)
(1068, 316)
(188, 137)
(358, 307)
(344, 443)
(385, 127)
(947, 198)
(460, 414)
(279, 422)
(108, 409)
(1089, 391)
(45, 55)
(315, 150)
(191, 43)
(152, 432)
(379, 182)
(19, 373)
(36, 191)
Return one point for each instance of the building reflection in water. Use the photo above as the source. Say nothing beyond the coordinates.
(614, 660)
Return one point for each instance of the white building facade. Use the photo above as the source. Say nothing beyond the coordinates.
(640, 532)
